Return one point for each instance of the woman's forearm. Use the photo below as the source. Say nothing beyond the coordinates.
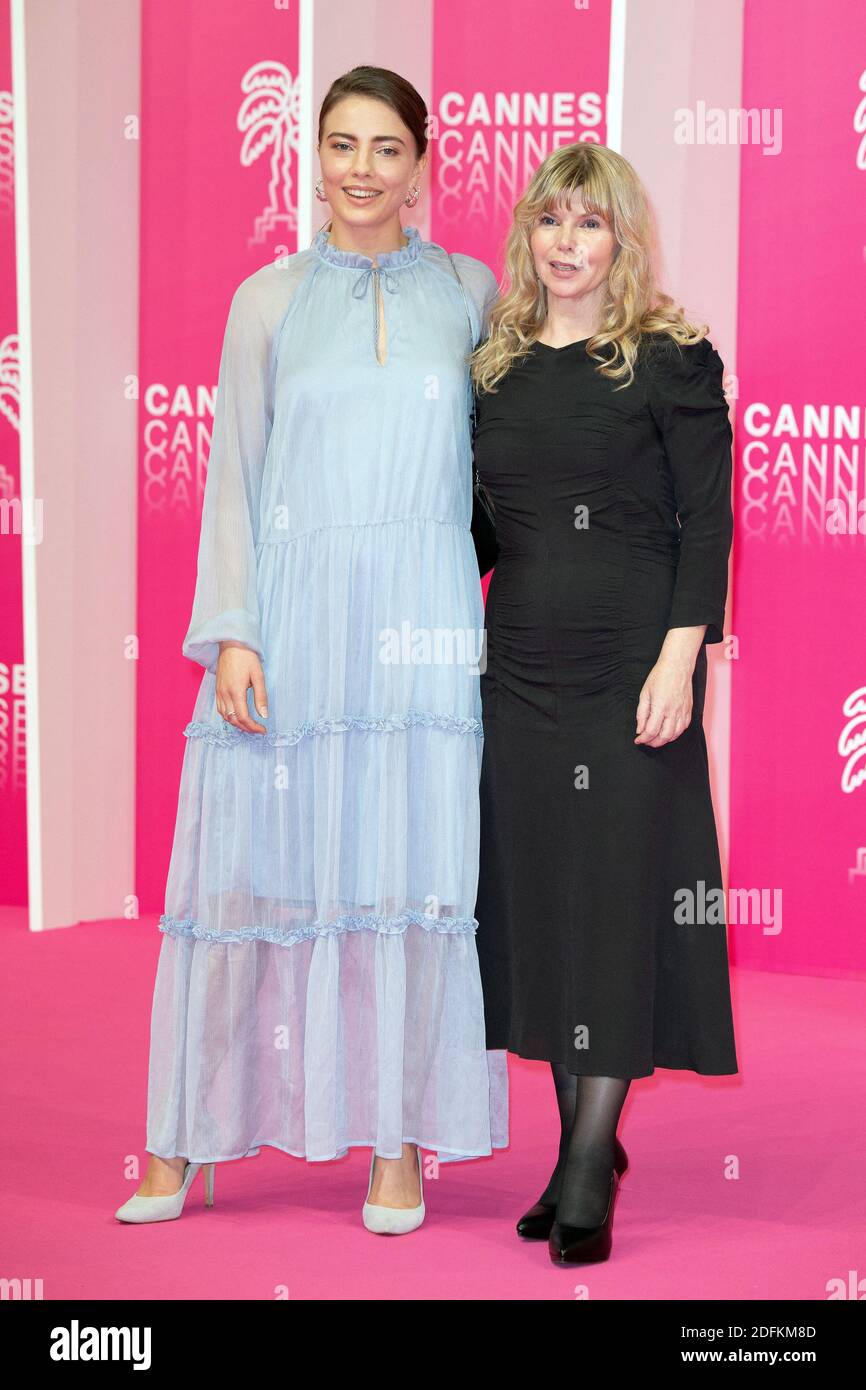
(682, 644)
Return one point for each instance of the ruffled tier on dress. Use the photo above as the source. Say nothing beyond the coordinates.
(318, 986)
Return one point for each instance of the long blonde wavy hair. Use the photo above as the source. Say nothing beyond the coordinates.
(633, 306)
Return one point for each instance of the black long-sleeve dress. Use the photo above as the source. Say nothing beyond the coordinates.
(614, 524)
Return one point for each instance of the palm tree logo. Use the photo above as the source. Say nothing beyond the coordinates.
(852, 740)
(10, 379)
(7, 152)
(269, 119)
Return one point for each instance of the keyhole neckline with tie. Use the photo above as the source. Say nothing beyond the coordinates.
(370, 274)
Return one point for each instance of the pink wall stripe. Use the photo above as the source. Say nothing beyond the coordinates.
(798, 763)
(218, 200)
(13, 727)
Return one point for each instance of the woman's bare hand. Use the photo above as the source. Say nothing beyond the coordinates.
(664, 709)
(238, 668)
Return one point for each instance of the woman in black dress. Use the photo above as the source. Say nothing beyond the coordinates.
(604, 444)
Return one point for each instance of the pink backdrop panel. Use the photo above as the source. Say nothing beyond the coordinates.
(798, 773)
(511, 83)
(13, 764)
(218, 200)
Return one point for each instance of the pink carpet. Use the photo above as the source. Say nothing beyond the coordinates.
(76, 1005)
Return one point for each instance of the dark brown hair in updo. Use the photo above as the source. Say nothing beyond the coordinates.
(382, 85)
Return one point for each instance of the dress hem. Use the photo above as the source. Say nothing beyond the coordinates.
(444, 1155)
(633, 1076)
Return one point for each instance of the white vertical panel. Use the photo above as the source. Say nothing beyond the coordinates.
(307, 174)
(616, 74)
(386, 34)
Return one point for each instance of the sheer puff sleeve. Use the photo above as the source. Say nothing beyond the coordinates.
(482, 289)
(225, 607)
(687, 402)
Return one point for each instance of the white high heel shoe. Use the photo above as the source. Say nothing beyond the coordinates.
(141, 1209)
(393, 1221)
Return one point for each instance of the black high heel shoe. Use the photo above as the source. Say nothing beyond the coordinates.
(537, 1223)
(581, 1245)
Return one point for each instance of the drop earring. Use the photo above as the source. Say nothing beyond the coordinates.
(320, 191)
(414, 195)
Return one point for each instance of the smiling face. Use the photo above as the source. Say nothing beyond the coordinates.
(573, 249)
(368, 162)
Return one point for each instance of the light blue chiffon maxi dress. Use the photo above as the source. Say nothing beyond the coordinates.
(318, 983)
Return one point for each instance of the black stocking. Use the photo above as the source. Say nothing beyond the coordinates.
(566, 1093)
(585, 1185)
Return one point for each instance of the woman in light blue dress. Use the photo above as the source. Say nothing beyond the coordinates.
(318, 983)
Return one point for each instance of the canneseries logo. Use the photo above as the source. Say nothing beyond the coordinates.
(177, 439)
(804, 472)
(24, 520)
(852, 740)
(10, 392)
(852, 748)
(860, 123)
(7, 153)
(489, 144)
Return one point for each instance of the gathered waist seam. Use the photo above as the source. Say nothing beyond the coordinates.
(362, 526)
